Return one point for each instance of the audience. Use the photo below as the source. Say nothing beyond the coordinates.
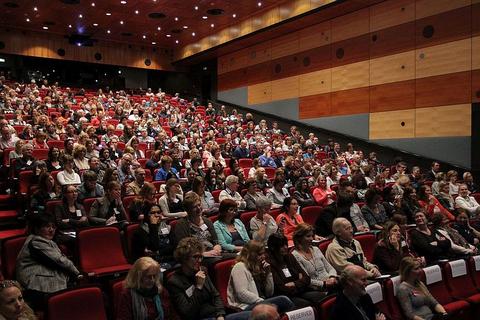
(231, 232)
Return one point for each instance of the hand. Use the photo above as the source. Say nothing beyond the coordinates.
(375, 272)
(200, 277)
(330, 282)
(434, 243)
(380, 316)
(153, 219)
(111, 220)
(393, 238)
(266, 265)
(82, 219)
(211, 253)
(290, 285)
(220, 318)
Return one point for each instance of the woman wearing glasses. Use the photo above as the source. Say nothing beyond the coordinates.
(12, 305)
(231, 232)
(70, 214)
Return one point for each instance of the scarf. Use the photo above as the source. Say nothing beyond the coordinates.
(138, 303)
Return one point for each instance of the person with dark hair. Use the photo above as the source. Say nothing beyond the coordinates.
(70, 214)
(390, 249)
(171, 202)
(231, 232)
(409, 204)
(252, 194)
(430, 204)
(46, 192)
(278, 193)
(463, 226)
(108, 209)
(340, 208)
(41, 256)
(302, 193)
(89, 188)
(459, 246)
(373, 210)
(53, 160)
(140, 207)
(209, 207)
(288, 220)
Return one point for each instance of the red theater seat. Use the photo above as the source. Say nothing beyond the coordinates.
(216, 195)
(325, 307)
(77, 304)
(221, 275)
(390, 293)
(310, 214)
(368, 241)
(459, 282)
(10, 249)
(245, 163)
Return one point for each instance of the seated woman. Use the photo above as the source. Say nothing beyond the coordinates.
(322, 194)
(430, 204)
(41, 266)
(459, 246)
(12, 304)
(79, 159)
(467, 202)
(288, 276)
(415, 300)
(46, 192)
(140, 207)
(278, 193)
(444, 197)
(323, 277)
(373, 210)
(171, 202)
(462, 225)
(427, 243)
(251, 280)
(262, 225)
(68, 176)
(252, 194)
(209, 207)
(231, 232)
(190, 289)
(140, 297)
(390, 249)
(409, 204)
(302, 193)
(70, 214)
(108, 209)
(166, 168)
(53, 161)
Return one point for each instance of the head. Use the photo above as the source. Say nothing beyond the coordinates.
(342, 229)
(93, 163)
(303, 235)
(112, 190)
(140, 175)
(70, 194)
(263, 205)
(463, 190)
(435, 166)
(372, 197)
(147, 191)
(79, 151)
(232, 182)
(12, 304)
(462, 216)
(252, 254)
(46, 182)
(90, 180)
(192, 204)
(420, 219)
(264, 311)
(43, 225)
(144, 274)
(302, 185)
(189, 253)
(227, 210)
(353, 279)
(410, 269)
(172, 187)
(290, 206)
(277, 244)
(391, 228)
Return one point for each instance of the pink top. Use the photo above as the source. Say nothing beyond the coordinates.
(322, 196)
(289, 225)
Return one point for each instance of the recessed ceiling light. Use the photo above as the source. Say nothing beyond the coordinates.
(185, 27)
(45, 28)
(204, 17)
(35, 9)
(108, 13)
(79, 44)
(193, 34)
(144, 37)
(176, 18)
(176, 41)
(108, 31)
(93, 4)
(259, 4)
(123, 2)
(154, 43)
(169, 35)
(80, 16)
(234, 15)
(119, 71)
(121, 21)
(137, 12)
(159, 28)
(28, 20)
(196, 7)
(95, 24)
(69, 25)
(212, 25)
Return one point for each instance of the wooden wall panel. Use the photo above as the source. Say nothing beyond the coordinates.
(315, 36)
(315, 59)
(315, 106)
(351, 50)
(352, 101)
(259, 73)
(260, 93)
(453, 88)
(259, 53)
(475, 53)
(391, 13)
(392, 40)
(232, 80)
(245, 28)
(351, 25)
(476, 19)
(476, 86)
(284, 67)
(237, 60)
(447, 26)
(350, 76)
(286, 88)
(445, 58)
(392, 124)
(285, 45)
(392, 96)
(444, 121)
(397, 67)
(314, 83)
(426, 8)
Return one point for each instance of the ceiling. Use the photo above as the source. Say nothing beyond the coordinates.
(163, 23)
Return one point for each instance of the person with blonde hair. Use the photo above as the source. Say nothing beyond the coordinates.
(140, 297)
(415, 300)
(12, 304)
(79, 159)
(251, 280)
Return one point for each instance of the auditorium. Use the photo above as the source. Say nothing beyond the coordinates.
(239, 160)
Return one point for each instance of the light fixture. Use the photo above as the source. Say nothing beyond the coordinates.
(35, 9)
(80, 16)
(93, 4)
(159, 28)
(176, 18)
(154, 43)
(176, 41)
(137, 12)
(196, 8)
(28, 20)
(121, 21)
(185, 27)
(79, 44)
(119, 71)
(95, 24)
(123, 2)
(108, 13)
(108, 31)
(204, 17)
(144, 37)
(212, 25)
(70, 26)
(168, 35)
(193, 34)
(234, 15)
(45, 28)
(259, 4)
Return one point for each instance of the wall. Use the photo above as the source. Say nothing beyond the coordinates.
(402, 73)
(46, 46)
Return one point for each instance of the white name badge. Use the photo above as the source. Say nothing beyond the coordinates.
(165, 231)
(286, 272)
(115, 210)
(203, 227)
(189, 291)
(477, 262)
(29, 162)
(78, 212)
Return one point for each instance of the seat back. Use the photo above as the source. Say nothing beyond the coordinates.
(474, 266)
(368, 241)
(325, 307)
(310, 214)
(436, 285)
(116, 291)
(375, 291)
(25, 179)
(77, 304)
(40, 154)
(245, 217)
(131, 228)
(216, 195)
(221, 275)
(10, 249)
(50, 207)
(391, 286)
(100, 248)
(458, 280)
(245, 163)
(87, 204)
(323, 245)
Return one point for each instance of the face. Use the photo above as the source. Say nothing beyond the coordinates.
(196, 208)
(428, 191)
(346, 232)
(233, 186)
(293, 206)
(436, 166)
(47, 231)
(231, 213)
(12, 303)
(359, 282)
(420, 219)
(252, 188)
(462, 218)
(149, 278)
(322, 182)
(194, 262)
(463, 190)
(416, 271)
(71, 193)
(307, 239)
(395, 231)
(114, 193)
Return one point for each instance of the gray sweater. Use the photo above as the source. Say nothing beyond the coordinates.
(319, 269)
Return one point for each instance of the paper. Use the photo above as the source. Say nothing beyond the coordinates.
(433, 274)
(301, 314)
(396, 282)
(78, 212)
(459, 268)
(375, 292)
(477, 262)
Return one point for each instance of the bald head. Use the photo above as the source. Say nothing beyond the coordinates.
(264, 311)
(353, 279)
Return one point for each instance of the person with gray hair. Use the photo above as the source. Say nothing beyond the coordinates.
(353, 302)
(230, 192)
(264, 311)
(262, 225)
(345, 251)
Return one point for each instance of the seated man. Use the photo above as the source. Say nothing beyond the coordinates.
(89, 188)
(230, 192)
(345, 251)
(133, 188)
(94, 164)
(353, 302)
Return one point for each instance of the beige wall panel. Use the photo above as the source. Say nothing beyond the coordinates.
(301, 6)
(225, 35)
(259, 53)
(446, 121)
(354, 75)
(245, 27)
(285, 88)
(313, 83)
(397, 67)
(260, 93)
(446, 58)
(388, 125)
(315, 36)
(391, 13)
(272, 16)
(350, 25)
(285, 45)
(475, 53)
(426, 8)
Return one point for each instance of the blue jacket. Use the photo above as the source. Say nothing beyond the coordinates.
(162, 174)
(225, 237)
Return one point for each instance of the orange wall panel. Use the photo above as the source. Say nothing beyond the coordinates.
(350, 51)
(352, 101)
(442, 90)
(315, 106)
(426, 8)
(392, 96)
(391, 13)
(351, 25)
(392, 40)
